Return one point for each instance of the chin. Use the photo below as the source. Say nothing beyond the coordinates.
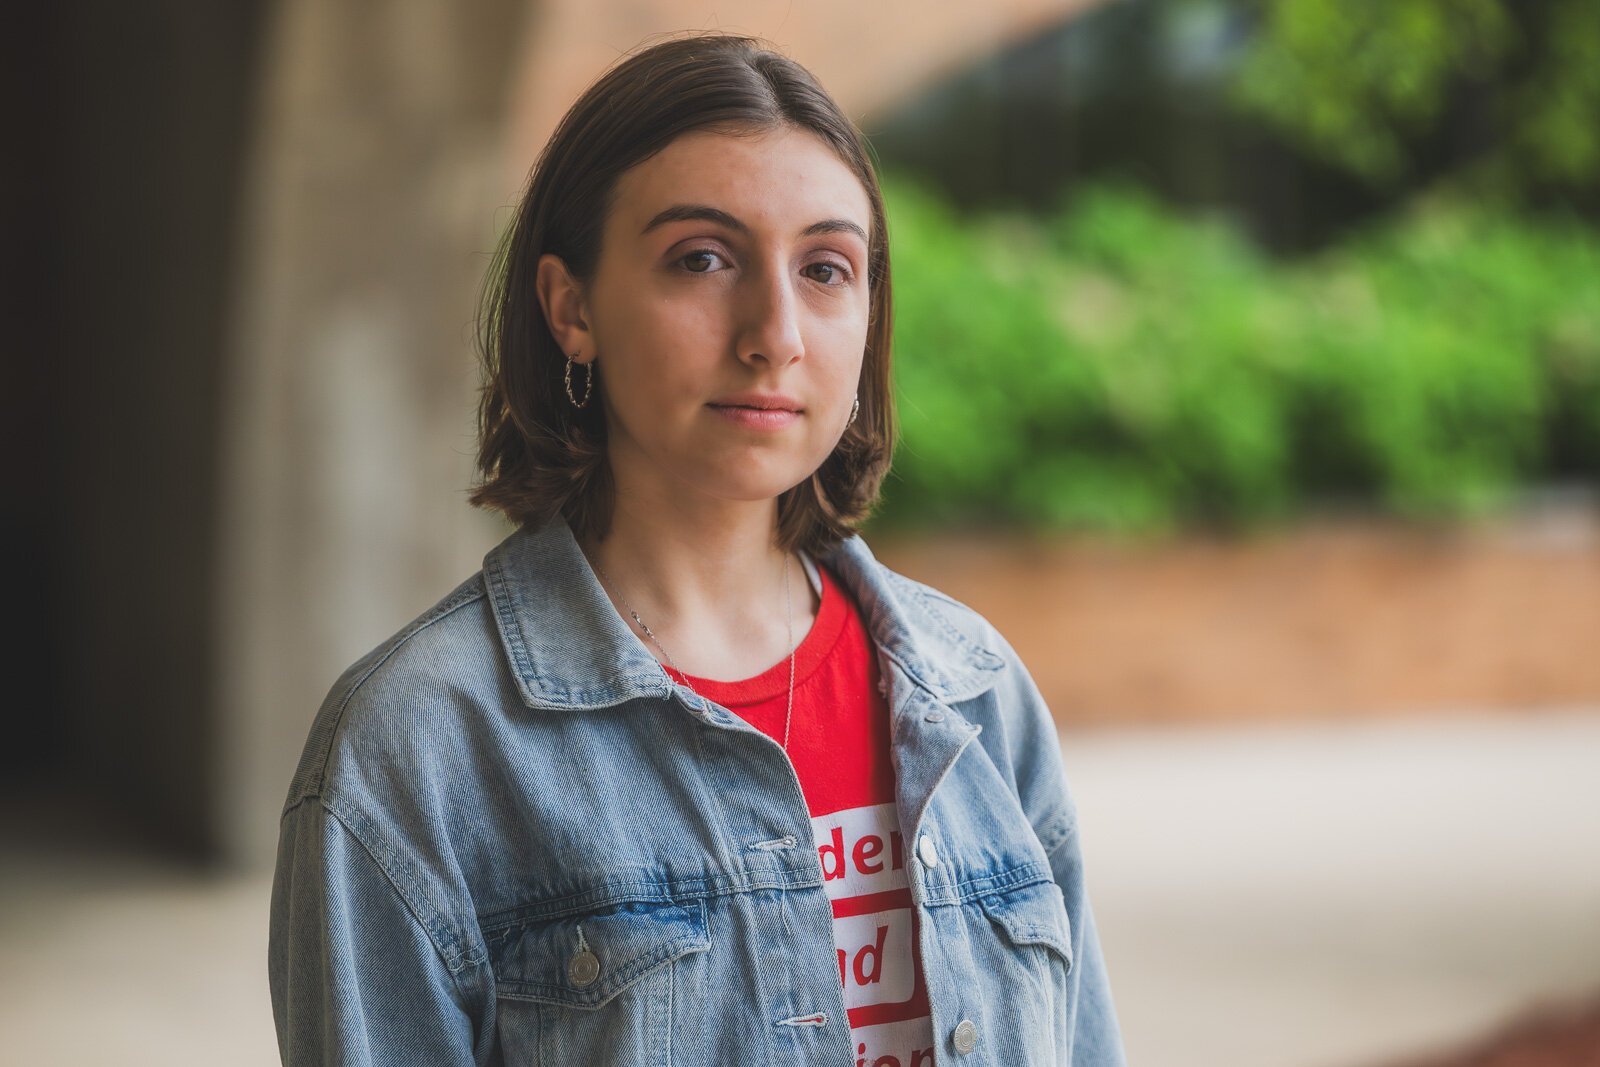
(751, 490)
(753, 474)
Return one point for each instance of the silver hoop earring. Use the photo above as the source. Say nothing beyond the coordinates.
(588, 385)
(853, 409)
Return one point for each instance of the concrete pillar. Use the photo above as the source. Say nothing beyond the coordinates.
(375, 183)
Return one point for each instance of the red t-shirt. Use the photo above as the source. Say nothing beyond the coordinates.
(839, 744)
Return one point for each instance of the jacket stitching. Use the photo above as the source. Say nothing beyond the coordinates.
(673, 891)
(929, 596)
(677, 892)
(1057, 831)
(442, 611)
(1018, 877)
(394, 869)
(696, 938)
(510, 624)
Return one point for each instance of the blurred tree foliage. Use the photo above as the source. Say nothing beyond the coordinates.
(1505, 92)
(1115, 366)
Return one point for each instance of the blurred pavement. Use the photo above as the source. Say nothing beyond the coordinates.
(1279, 896)
(1341, 895)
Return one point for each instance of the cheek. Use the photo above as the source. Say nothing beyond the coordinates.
(841, 344)
(844, 317)
(646, 319)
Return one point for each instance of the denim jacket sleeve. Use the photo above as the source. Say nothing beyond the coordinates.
(1042, 787)
(354, 975)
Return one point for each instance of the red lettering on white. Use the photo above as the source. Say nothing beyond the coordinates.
(835, 851)
(853, 846)
(903, 1042)
(861, 854)
(865, 849)
(875, 950)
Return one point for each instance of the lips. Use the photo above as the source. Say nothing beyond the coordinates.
(759, 401)
(755, 418)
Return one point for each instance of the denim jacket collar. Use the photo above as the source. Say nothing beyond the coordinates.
(571, 651)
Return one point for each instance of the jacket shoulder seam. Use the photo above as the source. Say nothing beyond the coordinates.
(470, 590)
(1057, 830)
(407, 886)
(929, 593)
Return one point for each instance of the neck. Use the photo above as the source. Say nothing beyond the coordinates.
(707, 580)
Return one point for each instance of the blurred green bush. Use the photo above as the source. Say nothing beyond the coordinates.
(1116, 367)
(1512, 88)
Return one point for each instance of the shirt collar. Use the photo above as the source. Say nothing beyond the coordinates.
(570, 651)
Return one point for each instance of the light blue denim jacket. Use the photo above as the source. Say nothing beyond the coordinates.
(513, 839)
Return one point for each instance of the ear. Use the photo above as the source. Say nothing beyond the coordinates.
(565, 311)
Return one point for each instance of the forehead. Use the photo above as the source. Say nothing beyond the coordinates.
(778, 181)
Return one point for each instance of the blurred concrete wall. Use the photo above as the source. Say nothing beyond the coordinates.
(370, 214)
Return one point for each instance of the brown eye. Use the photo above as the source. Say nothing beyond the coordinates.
(835, 274)
(700, 261)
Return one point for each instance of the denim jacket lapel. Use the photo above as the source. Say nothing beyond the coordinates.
(564, 641)
(571, 651)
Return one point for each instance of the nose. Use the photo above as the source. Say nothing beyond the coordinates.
(769, 318)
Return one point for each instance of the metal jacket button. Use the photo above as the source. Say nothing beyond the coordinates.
(928, 851)
(583, 968)
(965, 1037)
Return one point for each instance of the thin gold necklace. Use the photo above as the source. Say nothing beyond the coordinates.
(788, 616)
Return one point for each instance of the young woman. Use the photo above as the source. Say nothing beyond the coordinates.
(684, 775)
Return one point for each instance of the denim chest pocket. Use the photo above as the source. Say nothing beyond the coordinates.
(596, 988)
(1033, 915)
(1026, 956)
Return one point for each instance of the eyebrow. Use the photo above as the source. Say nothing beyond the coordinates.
(706, 213)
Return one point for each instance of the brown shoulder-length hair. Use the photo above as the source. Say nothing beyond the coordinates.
(538, 455)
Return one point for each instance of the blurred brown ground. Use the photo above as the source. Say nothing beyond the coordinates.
(1565, 1036)
(1332, 619)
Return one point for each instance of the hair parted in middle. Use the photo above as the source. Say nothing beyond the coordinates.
(538, 455)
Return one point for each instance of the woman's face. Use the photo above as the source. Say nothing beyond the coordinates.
(729, 265)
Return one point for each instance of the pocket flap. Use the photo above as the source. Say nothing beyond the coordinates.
(582, 961)
(1033, 914)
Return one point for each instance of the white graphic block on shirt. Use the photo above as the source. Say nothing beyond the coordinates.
(861, 851)
(875, 957)
(902, 1044)
(862, 854)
